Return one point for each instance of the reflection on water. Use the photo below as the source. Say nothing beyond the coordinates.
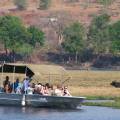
(82, 113)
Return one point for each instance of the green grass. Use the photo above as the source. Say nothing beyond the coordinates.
(99, 98)
(113, 104)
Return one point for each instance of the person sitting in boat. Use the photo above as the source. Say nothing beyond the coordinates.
(6, 81)
(15, 85)
(38, 89)
(59, 91)
(33, 86)
(30, 89)
(51, 90)
(66, 92)
(46, 89)
(6, 85)
(7, 89)
(19, 88)
(42, 90)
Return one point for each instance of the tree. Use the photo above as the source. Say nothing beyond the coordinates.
(25, 49)
(74, 36)
(21, 4)
(16, 37)
(13, 34)
(105, 3)
(98, 34)
(115, 37)
(37, 36)
(44, 4)
(12, 31)
(58, 21)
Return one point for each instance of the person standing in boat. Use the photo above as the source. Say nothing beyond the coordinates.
(26, 84)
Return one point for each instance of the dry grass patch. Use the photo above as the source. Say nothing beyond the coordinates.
(95, 91)
(93, 78)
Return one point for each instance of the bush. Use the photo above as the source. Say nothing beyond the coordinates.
(21, 4)
(71, 1)
(44, 4)
(105, 2)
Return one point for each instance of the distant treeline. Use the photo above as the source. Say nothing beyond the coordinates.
(45, 4)
(100, 38)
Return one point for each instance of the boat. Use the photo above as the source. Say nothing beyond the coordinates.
(10, 99)
(53, 101)
(40, 101)
(35, 100)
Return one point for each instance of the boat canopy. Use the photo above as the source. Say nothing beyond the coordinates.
(13, 68)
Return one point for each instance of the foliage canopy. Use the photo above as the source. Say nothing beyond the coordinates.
(44, 4)
(16, 37)
(74, 36)
(21, 4)
(98, 34)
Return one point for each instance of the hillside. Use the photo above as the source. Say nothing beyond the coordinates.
(60, 12)
(82, 11)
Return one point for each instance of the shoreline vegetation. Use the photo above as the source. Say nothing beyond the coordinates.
(114, 104)
(94, 85)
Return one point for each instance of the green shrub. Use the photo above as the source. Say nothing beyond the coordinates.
(44, 4)
(105, 2)
(71, 1)
(21, 4)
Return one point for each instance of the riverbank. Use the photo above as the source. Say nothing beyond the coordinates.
(113, 102)
(95, 85)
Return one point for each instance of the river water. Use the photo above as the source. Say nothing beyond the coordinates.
(82, 113)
